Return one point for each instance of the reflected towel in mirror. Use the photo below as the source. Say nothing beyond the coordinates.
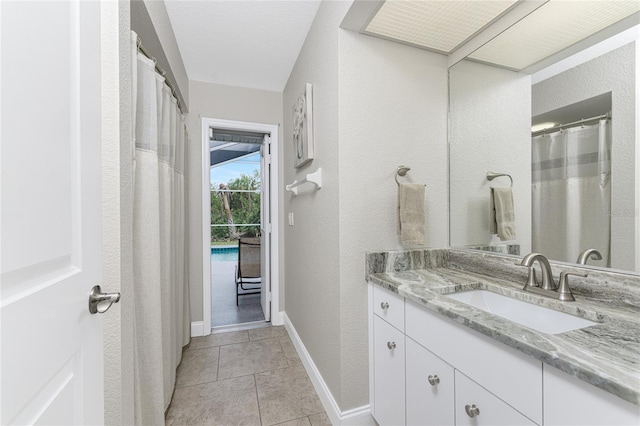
(502, 217)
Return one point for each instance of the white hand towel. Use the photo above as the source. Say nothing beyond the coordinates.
(502, 218)
(411, 214)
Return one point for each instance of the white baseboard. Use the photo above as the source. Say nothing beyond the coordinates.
(277, 319)
(355, 416)
(197, 328)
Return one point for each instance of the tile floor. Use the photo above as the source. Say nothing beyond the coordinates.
(250, 377)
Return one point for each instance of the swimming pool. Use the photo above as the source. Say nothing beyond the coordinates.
(224, 253)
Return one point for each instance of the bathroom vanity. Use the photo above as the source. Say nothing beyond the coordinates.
(435, 360)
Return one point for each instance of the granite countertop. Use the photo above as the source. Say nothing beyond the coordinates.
(606, 355)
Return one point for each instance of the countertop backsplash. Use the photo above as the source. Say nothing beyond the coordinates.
(605, 285)
(406, 260)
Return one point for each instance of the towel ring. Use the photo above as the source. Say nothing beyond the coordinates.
(492, 175)
(401, 171)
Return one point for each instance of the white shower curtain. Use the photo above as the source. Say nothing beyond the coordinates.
(161, 320)
(571, 192)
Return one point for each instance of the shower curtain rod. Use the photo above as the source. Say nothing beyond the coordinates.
(142, 50)
(572, 124)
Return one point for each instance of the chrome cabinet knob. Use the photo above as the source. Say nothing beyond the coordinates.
(384, 305)
(472, 410)
(433, 380)
(100, 302)
(391, 345)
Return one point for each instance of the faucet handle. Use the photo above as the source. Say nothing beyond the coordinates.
(564, 291)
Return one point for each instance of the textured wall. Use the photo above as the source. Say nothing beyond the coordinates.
(392, 111)
(312, 291)
(614, 72)
(490, 129)
(149, 19)
(377, 105)
(226, 103)
(117, 205)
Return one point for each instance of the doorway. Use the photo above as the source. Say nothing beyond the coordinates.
(239, 159)
(236, 231)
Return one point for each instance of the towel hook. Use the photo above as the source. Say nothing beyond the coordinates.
(402, 171)
(492, 175)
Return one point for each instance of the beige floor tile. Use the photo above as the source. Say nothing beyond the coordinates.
(319, 419)
(251, 357)
(285, 395)
(219, 339)
(267, 333)
(290, 352)
(297, 422)
(226, 402)
(198, 366)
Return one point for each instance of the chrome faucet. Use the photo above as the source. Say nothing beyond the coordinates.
(547, 276)
(548, 286)
(588, 254)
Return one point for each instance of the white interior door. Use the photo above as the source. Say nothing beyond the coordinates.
(265, 226)
(52, 366)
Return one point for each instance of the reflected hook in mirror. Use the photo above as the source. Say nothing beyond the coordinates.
(492, 175)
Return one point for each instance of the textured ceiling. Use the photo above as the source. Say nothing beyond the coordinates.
(252, 43)
(551, 28)
(435, 24)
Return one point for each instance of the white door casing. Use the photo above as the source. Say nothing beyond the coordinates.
(273, 130)
(51, 355)
(265, 227)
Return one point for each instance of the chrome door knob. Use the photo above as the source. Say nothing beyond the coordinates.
(100, 302)
(433, 380)
(384, 305)
(472, 410)
(391, 345)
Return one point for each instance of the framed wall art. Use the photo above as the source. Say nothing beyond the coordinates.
(303, 127)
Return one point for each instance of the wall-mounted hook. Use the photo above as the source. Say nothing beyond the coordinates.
(401, 171)
(492, 175)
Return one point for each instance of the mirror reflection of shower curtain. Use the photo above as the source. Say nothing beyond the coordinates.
(571, 192)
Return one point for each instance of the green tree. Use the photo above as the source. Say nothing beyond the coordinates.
(218, 233)
(243, 206)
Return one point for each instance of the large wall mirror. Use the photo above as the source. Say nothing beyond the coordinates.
(560, 138)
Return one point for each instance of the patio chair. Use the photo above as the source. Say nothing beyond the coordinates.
(248, 275)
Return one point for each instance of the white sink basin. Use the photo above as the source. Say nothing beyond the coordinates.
(533, 316)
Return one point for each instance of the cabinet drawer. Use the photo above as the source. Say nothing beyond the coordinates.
(430, 388)
(389, 306)
(512, 376)
(491, 411)
(389, 378)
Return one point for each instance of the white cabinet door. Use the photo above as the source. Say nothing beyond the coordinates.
(481, 358)
(569, 401)
(476, 406)
(51, 357)
(388, 359)
(430, 388)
